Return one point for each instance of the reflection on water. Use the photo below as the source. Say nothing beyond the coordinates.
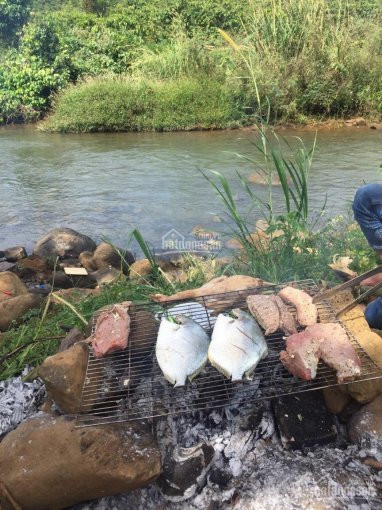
(107, 184)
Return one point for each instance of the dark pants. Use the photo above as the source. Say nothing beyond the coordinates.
(367, 208)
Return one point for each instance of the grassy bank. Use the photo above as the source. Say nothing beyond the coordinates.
(125, 104)
(309, 58)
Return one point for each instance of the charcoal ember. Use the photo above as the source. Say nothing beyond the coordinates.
(18, 400)
(185, 471)
(303, 420)
(219, 476)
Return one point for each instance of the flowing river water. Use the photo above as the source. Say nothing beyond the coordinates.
(108, 184)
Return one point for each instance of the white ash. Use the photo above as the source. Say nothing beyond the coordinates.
(18, 400)
(262, 474)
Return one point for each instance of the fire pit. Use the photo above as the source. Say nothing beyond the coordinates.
(129, 385)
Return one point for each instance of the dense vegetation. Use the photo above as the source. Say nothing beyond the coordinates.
(164, 65)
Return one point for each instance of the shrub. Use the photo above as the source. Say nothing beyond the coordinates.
(124, 104)
(13, 15)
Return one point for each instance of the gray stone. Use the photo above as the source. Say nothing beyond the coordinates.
(64, 243)
(15, 253)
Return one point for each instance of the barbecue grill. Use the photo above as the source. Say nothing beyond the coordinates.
(129, 385)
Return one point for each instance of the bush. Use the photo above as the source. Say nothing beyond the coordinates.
(13, 15)
(123, 104)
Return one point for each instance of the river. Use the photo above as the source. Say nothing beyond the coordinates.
(108, 184)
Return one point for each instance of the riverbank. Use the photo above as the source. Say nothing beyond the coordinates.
(166, 67)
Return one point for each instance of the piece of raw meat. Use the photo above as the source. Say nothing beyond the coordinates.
(271, 313)
(301, 355)
(328, 342)
(287, 322)
(265, 311)
(336, 350)
(306, 310)
(111, 331)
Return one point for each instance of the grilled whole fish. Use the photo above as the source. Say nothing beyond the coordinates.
(181, 349)
(237, 345)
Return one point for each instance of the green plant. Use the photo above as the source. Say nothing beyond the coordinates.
(13, 15)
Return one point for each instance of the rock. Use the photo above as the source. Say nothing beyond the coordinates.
(15, 253)
(64, 243)
(336, 398)
(203, 233)
(354, 320)
(14, 308)
(185, 471)
(262, 180)
(106, 255)
(73, 337)
(376, 125)
(140, 270)
(31, 265)
(366, 424)
(63, 375)
(107, 276)
(86, 259)
(6, 266)
(358, 121)
(75, 294)
(11, 286)
(63, 281)
(54, 465)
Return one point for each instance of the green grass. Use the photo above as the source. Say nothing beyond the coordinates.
(125, 104)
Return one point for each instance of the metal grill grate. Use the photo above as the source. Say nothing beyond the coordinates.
(129, 385)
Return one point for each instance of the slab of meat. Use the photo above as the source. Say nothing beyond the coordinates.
(328, 342)
(265, 311)
(301, 355)
(271, 313)
(306, 310)
(287, 322)
(336, 350)
(111, 331)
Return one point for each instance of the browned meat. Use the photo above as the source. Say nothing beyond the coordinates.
(306, 310)
(111, 331)
(265, 311)
(301, 355)
(328, 342)
(336, 350)
(287, 322)
(271, 313)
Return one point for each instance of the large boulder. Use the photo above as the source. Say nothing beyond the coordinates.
(140, 270)
(64, 374)
(64, 243)
(106, 255)
(47, 463)
(73, 337)
(11, 286)
(14, 308)
(363, 391)
(15, 253)
(336, 398)
(366, 424)
(107, 276)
